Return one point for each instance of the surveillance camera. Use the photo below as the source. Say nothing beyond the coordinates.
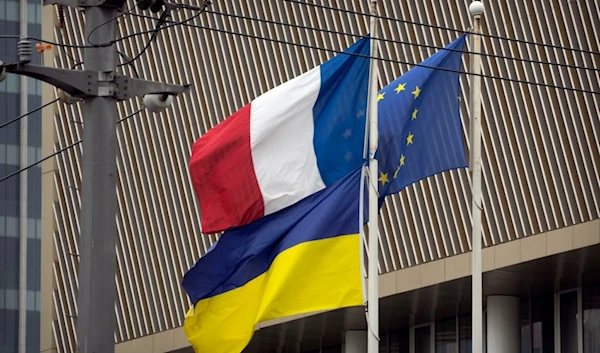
(3, 73)
(157, 102)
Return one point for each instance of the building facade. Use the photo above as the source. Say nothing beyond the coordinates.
(20, 196)
(541, 167)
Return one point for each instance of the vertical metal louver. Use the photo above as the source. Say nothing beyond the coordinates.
(540, 153)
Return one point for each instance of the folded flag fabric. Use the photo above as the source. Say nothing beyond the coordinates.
(301, 259)
(288, 143)
(420, 131)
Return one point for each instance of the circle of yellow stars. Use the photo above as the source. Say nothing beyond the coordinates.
(384, 177)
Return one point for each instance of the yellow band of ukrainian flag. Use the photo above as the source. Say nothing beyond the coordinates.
(302, 259)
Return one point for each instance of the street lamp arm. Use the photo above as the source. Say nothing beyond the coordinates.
(86, 83)
(128, 87)
(75, 82)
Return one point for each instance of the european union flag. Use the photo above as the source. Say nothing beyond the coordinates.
(420, 131)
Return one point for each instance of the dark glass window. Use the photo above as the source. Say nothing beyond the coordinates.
(423, 339)
(464, 334)
(568, 322)
(542, 322)
(8, 320)
(33, 332)
(399, 341)
(591, 319)
(525, 327)
(33, 264)
(445, 336)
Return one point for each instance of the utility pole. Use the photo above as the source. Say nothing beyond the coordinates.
(100, 87)
(97, 255)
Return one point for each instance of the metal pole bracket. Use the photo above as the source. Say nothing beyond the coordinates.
(128, 87)
(78, 83)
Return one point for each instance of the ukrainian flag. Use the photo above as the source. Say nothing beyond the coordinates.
(301, 259)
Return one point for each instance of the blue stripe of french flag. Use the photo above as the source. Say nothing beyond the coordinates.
(287, 144)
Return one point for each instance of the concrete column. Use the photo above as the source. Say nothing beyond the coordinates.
(49, 196)
(355, 341)
(503, 324)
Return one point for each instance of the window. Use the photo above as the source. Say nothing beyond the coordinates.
(423, 339)
(445, 336)
(542, 323)
(31, 13)
(591, 319)
(12, 11)
(464, 334)
(568, 322)
(2, 10)
(399, 341)
(525, 327)
(12, 81)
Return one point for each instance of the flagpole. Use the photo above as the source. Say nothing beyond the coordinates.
(476, 9)
(373, 288)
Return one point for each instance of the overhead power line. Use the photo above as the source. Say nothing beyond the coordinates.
(58, 152)
(405, 42)
(389, 60)
(130, 115)
(109, 43)
(40, 161)
(16, 36)
(171, 24)
(28, 113)
(444, 28)
(161, 22)
(115, 18)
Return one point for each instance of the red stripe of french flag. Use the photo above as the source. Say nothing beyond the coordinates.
(259, 160)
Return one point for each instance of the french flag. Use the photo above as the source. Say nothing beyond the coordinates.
(285, 145)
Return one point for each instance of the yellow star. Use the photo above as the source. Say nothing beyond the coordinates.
(380, 96)
(383, 178)
(409, 140)
(400, 166)
(414, 113)
(400, 87)
(416, 92)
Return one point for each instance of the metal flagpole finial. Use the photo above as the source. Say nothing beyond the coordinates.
(476, 8)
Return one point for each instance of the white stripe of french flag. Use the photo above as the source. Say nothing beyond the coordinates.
(283, 146)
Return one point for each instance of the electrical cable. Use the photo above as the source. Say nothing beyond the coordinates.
(75, 62)
(161, 21)
(40, 161)
(128, 11)
(405, 42)
(107, 44)
(16, 36)
(171, 24)
(58, 152)
(392, 60)
(444, 28)
(129, 62)
(130, 115)
(323, 7)
(28, 113)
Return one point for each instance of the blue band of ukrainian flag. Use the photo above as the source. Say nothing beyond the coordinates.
(304, 258)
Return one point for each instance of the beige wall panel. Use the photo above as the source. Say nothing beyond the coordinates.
(541, 162)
